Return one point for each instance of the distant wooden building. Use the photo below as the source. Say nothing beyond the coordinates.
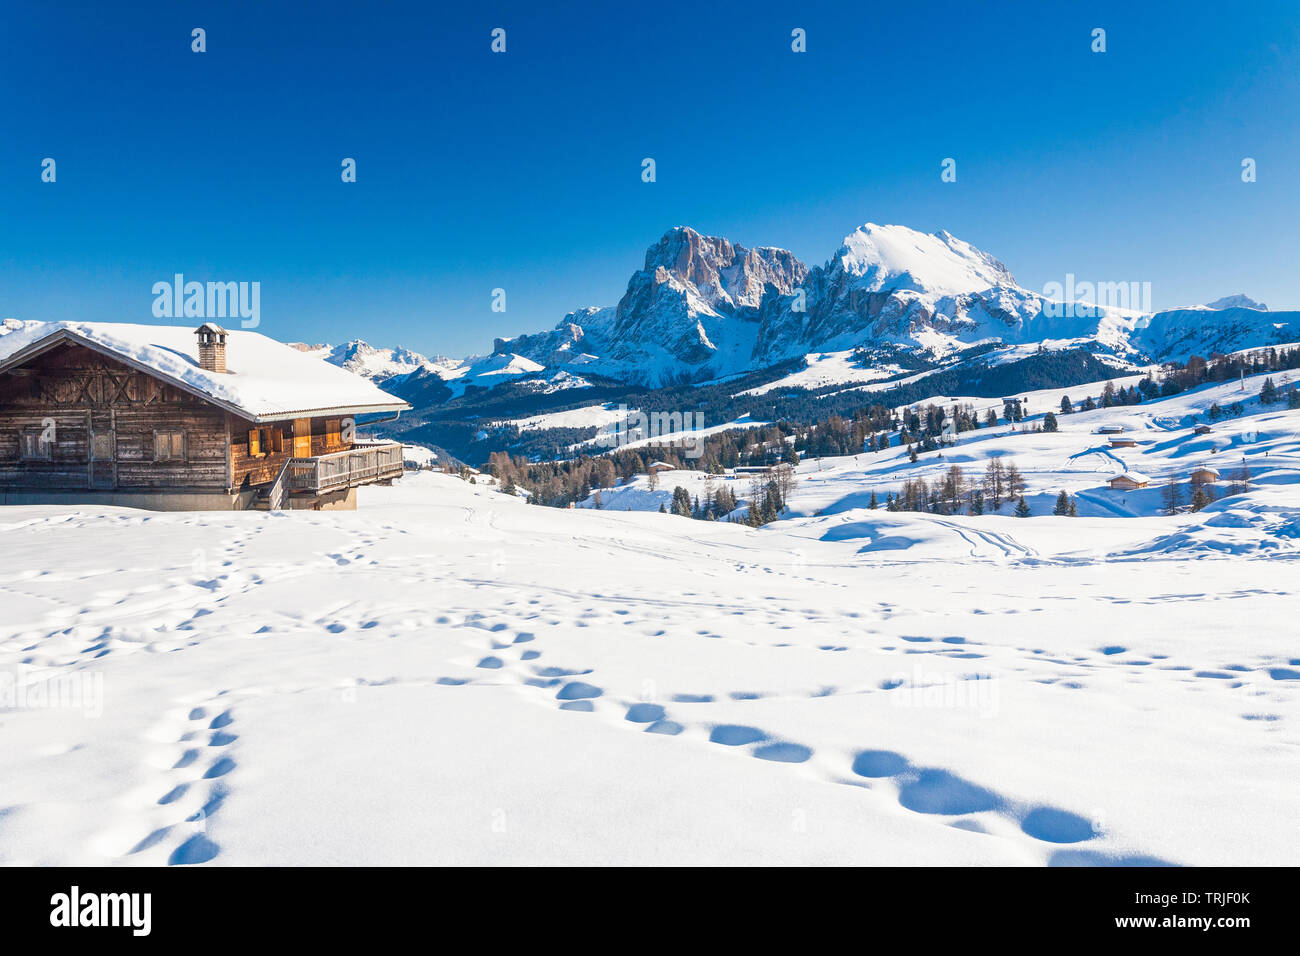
(1129, 480)
(658, 466)
(1202, 430)
(178, 419)
(1110, 429)
(1123, 443)
(1204, 475)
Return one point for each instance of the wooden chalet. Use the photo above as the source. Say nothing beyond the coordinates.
(1204, 475)
(1123, 443)
(179, 419)
(1129, 480)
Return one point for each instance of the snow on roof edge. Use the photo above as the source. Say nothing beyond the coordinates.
(266, 380)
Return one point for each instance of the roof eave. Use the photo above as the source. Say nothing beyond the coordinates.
(318, 412)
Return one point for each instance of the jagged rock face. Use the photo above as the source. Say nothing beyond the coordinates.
(693, 299)
(692, 312)
(725, 276)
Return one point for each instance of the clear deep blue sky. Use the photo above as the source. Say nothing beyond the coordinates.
(522, 170)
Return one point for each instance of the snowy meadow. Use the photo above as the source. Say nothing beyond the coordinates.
(452, 675)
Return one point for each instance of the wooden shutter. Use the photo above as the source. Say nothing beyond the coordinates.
(254, 442)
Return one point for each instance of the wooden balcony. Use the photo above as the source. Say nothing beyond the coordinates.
(362, 464)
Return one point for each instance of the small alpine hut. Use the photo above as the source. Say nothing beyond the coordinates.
(1202, 430)
(658, 466)
(177, 419)
(1204, 475)
(1128, 480)
(1122, 442)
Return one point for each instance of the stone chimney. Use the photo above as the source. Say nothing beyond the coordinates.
(212, 347)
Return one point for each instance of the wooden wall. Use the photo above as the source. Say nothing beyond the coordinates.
(85, 393)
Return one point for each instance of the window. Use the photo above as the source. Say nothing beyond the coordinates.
(34, 446)
(332, 437)
(264, 441)
(169, 446)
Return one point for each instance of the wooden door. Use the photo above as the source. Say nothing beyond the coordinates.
(302, 438)
(103, 451)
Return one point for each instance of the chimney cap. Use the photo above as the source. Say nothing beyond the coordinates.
(211, 328)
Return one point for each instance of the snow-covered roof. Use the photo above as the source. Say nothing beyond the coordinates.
(1207, 468)
(265, 380)
(1135, 476)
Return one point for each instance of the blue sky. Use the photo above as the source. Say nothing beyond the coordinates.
(522, 170)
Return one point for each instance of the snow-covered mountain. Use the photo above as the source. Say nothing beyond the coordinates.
(1237, 302)
(15, 325)
(1178, 333)
(891, 286)
(691, 313)
(377, 364)
(703, 307)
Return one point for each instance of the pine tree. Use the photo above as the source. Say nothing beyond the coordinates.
(1049, 422)
(1062, 508)
(1268, 393)
(1074, 510)
(1066, 405)
(911, 454)
(1022, 509)
(872, 503)
(1199, 498)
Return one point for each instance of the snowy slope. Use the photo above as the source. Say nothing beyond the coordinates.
(449, 675)
(1179, 333)
(1075, 459)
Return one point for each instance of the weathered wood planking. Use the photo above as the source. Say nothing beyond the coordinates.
(104, 416)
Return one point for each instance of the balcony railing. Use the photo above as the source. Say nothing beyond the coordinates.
(363, 463)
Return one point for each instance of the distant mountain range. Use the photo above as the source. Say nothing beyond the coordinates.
(703, 308)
